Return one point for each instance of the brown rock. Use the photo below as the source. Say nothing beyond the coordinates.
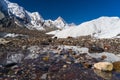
(87, 65)
(46, 58)
(103, 66)
(103, 57)
(116, 66)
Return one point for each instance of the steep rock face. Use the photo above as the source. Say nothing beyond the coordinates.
(9, 22)
(35, 21)
(16, 10)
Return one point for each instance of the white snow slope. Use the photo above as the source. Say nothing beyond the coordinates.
(103, 27)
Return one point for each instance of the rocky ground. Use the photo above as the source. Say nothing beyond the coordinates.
(40, 57)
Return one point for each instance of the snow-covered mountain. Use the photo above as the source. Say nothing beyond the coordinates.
(30, 20)
(59, 23)
(103, 27)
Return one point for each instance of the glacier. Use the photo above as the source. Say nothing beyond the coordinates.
(103, 27)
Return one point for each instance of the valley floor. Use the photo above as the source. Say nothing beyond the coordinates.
(37, 56)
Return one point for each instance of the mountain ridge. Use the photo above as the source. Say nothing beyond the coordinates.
(31, 20)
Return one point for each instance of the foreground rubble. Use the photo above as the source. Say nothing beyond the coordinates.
(44, 58)
(51, 63)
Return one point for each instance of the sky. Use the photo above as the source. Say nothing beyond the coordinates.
(76, 11)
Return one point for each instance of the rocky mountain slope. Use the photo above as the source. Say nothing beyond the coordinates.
(22, 17)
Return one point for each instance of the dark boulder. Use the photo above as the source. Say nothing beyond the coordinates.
(95, 49)
(10, 65)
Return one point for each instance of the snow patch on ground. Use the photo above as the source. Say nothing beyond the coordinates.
(79, 50)
(13, 35)
(110, 56)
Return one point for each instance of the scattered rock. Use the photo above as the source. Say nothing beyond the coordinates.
(32, 56)
(87, 65)
(46, 58)
(103, 57)
(103, 66)
(107, 47)
(64, 66)
(59, 62)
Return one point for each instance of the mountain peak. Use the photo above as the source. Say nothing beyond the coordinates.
(36, 13)
(60, 19)
(36, 16)
(60, 23)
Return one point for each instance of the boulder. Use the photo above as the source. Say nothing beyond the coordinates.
(96, 49)
(116, 66)
(103, 66)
